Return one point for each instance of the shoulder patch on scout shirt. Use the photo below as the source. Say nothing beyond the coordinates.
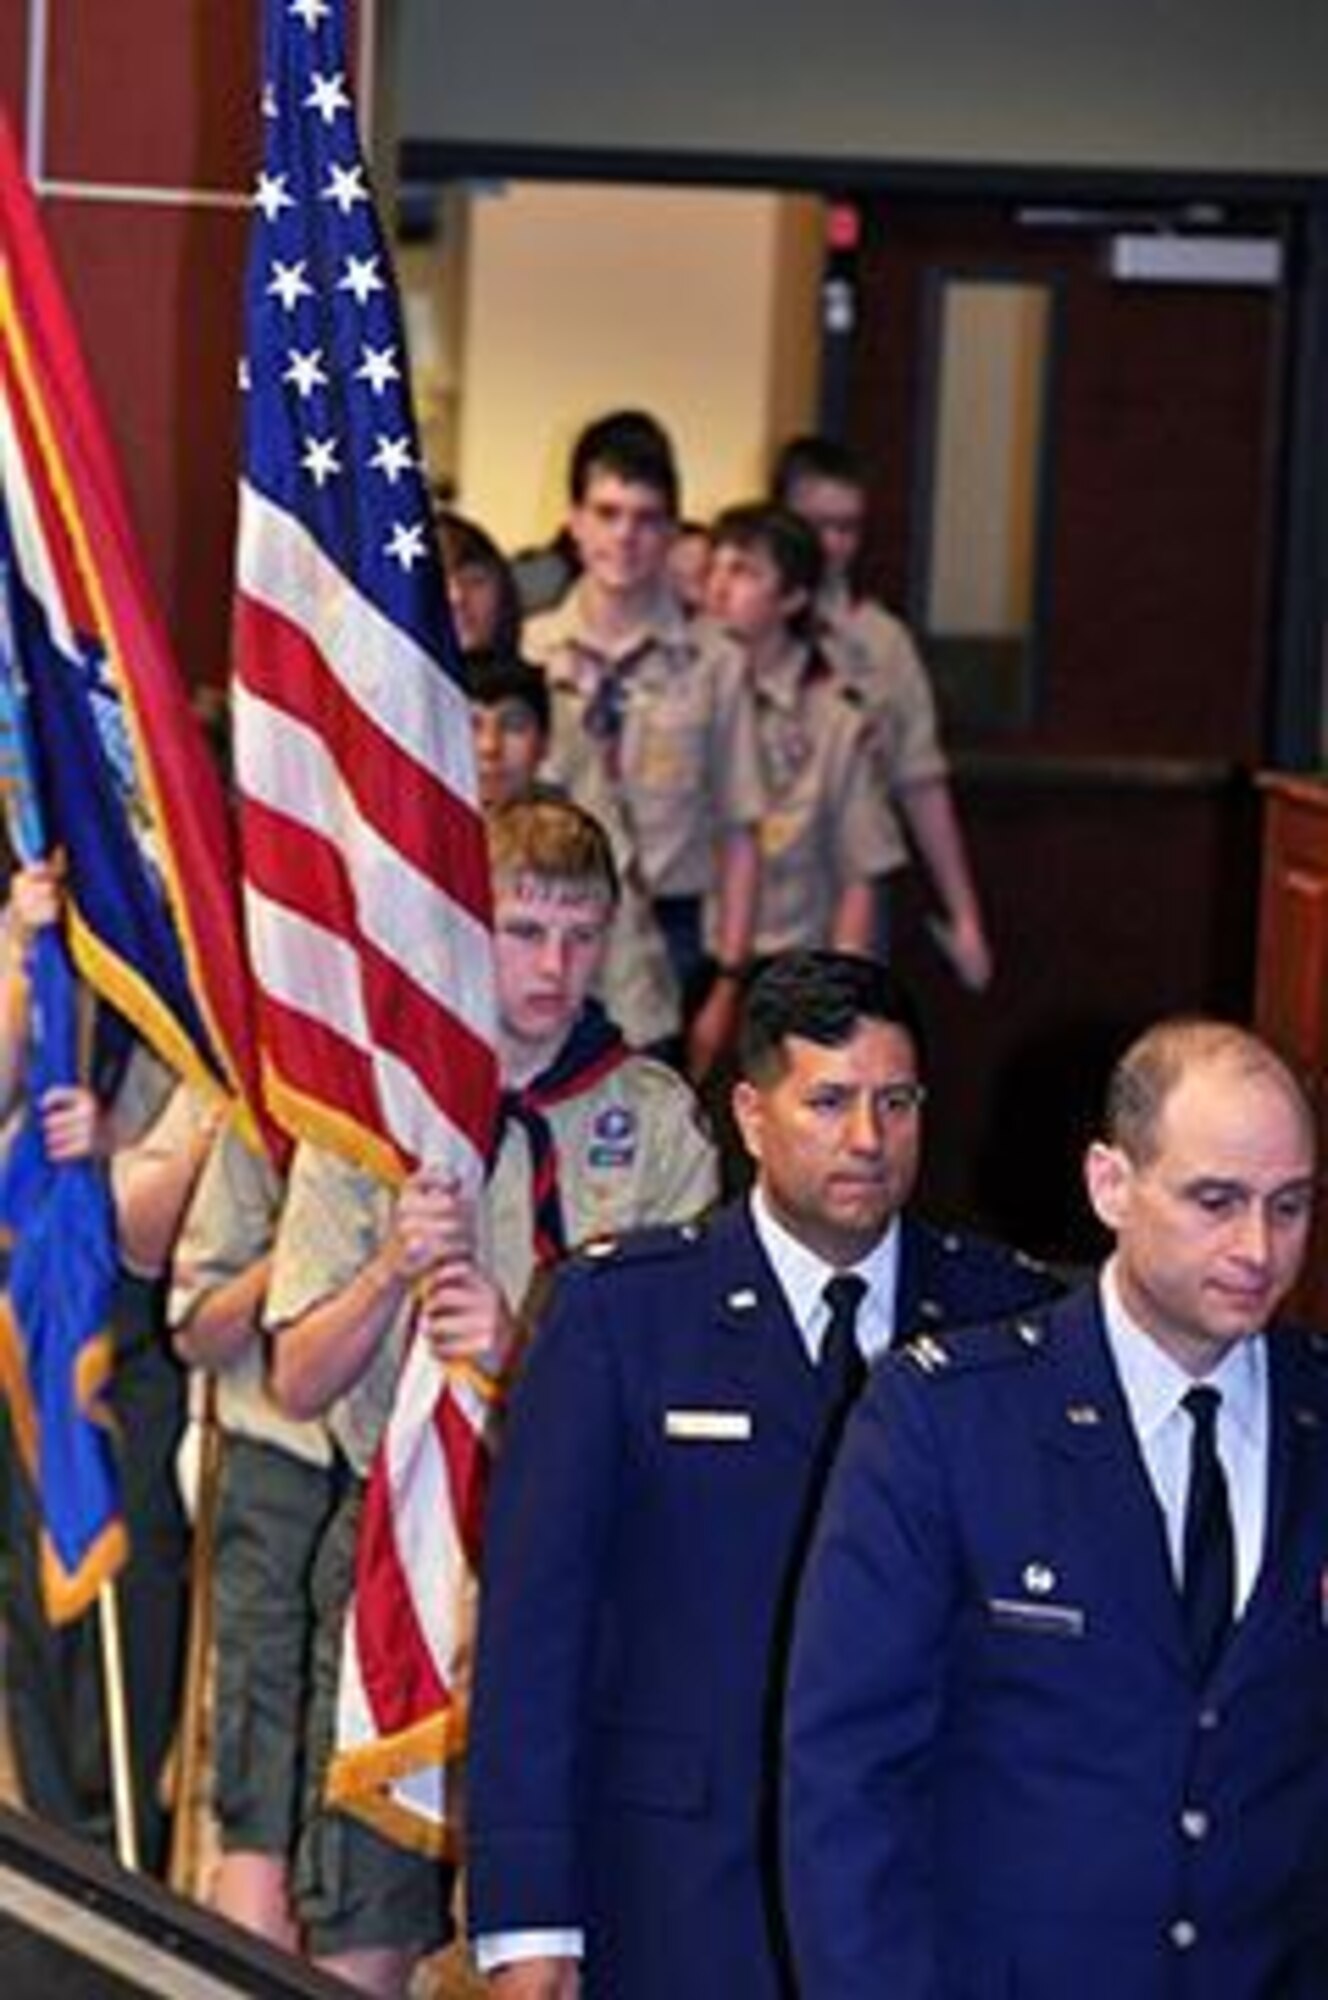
(971, 1349)
(614, 1133)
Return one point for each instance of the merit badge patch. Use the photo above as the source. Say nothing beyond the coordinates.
(613, 1138)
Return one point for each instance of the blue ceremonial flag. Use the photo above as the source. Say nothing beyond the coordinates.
(106, 766)
(55, 1350)
(128, 788)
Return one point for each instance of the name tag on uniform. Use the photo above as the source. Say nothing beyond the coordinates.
(708, 1426)
(1022, 1614)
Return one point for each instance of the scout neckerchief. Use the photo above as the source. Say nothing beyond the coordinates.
(593, 1050)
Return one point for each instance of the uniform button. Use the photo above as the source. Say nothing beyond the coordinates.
(1209, 1718)
(1194, 1823)
(1183, 1934)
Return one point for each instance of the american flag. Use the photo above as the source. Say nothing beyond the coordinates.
(366, 879)
(367, 898)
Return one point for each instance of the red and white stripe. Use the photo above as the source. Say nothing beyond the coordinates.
(406, 1652)
(366, 877)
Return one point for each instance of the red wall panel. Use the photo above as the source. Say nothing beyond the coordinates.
(159, 95)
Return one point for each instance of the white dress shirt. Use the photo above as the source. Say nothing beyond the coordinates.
(1154, 1385)
(802, 1277)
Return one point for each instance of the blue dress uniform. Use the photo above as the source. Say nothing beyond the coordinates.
(662, 1459)
(1003, 1774)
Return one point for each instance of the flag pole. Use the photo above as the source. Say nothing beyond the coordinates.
(189, 1761)
(117, 1727)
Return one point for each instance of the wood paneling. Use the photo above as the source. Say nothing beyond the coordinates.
(1116, 844)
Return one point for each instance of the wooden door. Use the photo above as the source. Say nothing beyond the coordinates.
(1111, 816)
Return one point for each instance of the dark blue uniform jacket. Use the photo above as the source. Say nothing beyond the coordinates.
(650, 1506)
(1003, 1775)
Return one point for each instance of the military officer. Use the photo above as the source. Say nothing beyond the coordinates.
(663, 1456)
(1056, 1719)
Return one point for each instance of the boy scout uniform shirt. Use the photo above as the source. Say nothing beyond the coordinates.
(874, 653)
(629, 1151)
(637, 982)
(230, 1223)
(826, 824)
(685, 769)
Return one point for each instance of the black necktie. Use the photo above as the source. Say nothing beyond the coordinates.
(840, 1366)
(1209, 1577)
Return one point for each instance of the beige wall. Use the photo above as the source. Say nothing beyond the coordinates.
(701, 306)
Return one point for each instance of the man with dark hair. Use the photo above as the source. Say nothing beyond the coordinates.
(632, 445)
(653, 725)
(823, 481)
(509, 713)
(827, 836)
(665, 1452)
(1056, 1713)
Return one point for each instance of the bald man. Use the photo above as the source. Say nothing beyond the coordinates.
(1058, 1708)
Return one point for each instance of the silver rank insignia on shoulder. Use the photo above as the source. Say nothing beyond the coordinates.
(689, 1231)
(744, 1300)
(1029, 1332)
(1039, 1579)
(1085, 1415)
(600, 1246)
(929, 1354)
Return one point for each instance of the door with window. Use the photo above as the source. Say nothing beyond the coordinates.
(1074, 480)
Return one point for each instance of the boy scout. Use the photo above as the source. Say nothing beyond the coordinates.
(651, 712)
(823, 482)
(509, 708)
(827, 836)
(274, 1495)
(593, 1139)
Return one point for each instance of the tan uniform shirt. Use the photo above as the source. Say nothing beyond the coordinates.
(230, 1223)
(142, 1097)
(684, 769)
(875, 654)
(630, 1151)
(637, 982)
(826, 824)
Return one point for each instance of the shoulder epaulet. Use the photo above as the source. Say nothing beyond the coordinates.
(640, 1246)
(961, 1243)
(968, 1349)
